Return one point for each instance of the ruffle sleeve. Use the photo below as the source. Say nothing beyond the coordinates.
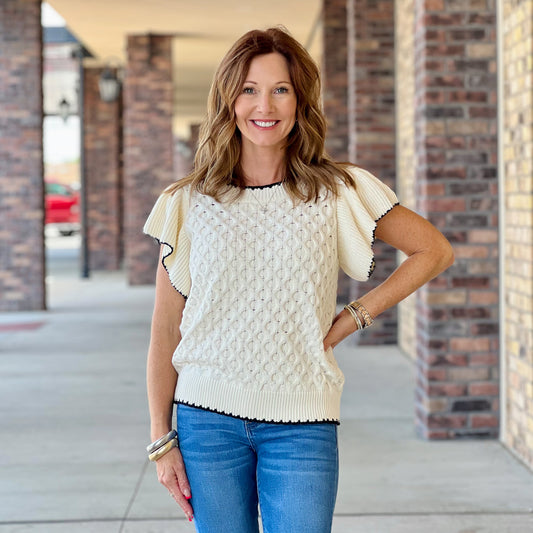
(358, 211)
(166, 223)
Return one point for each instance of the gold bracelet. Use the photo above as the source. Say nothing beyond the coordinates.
(163, 450)
(352, 312)
(358, 306)
(361, 317)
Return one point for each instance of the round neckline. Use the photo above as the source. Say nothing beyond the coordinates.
(268, 186)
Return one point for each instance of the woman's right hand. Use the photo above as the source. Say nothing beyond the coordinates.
(171, 474)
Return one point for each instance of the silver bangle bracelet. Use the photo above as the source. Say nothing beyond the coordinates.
(173, 443)
(162, 441)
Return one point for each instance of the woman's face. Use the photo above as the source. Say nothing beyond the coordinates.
(266, 107)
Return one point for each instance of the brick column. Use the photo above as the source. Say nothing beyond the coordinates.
(22, 264)
(103, 136)
(335, 96)
(148, 146)
(372, 127)
(455, 153)
(335, 77)
(517, 141)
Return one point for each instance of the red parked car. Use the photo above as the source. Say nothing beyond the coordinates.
(62, 208)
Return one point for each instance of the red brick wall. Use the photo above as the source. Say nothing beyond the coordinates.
(103, 175)
(456, 174)
(22, 264)
(148, 146)
(358, 78)
(335, 77)
(372, 139)
(335, 96)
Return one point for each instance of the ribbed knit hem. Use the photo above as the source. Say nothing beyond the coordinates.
(252, 404)
(257, 420)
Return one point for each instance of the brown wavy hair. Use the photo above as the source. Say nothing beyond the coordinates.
(216, 170)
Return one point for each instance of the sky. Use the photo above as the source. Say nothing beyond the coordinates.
(50, 17)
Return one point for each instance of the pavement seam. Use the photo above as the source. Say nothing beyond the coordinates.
(133, 496)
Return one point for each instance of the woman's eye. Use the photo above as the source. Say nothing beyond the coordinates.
(248, 90)
(281, 90)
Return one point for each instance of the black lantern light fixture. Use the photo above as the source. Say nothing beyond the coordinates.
(64, 109)
(109, 84)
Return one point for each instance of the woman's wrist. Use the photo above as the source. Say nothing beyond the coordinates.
(157, 430)
(158, 434)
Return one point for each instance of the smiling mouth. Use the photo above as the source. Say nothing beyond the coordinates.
(265, 123)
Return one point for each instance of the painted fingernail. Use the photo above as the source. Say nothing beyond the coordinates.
(190, 518)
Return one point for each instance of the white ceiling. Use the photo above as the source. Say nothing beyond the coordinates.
(203, 30)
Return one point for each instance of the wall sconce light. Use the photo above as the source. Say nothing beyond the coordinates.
(64, 109)
(109, 85)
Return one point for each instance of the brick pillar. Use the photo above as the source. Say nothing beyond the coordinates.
(456, 174)
(148, 145)
(103, 132)
(335, 77)
(22, 263)
(335, 95)
(372, 127)
(517, 141)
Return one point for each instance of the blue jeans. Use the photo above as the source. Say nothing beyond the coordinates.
(290, 470)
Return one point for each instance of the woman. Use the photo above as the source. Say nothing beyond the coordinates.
(245, 309)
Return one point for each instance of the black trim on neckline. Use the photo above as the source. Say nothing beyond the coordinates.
(263, 186)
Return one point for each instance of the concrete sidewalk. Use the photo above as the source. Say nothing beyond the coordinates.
(74, 426)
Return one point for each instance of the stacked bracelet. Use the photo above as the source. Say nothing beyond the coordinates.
(163, 445)
(164, 449)
(359, 314)
(355, 316)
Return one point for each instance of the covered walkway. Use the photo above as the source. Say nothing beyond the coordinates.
(432, 97)
(75, 426)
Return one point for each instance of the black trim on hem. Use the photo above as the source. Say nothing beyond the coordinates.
(373, 263)
(258, 420)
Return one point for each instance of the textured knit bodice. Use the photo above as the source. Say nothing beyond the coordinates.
(260, 278)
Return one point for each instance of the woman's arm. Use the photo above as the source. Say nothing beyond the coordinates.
(161, 378)
(428, 251)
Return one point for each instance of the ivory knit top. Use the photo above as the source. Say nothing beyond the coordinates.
(260, 280)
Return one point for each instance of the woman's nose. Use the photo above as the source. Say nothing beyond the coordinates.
(265, 103)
